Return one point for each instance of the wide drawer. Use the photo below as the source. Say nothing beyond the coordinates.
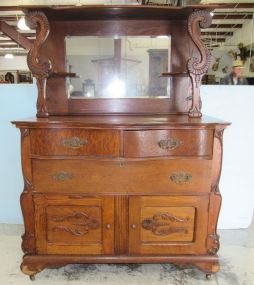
(75, 142)
(116, 176)
(175, 142)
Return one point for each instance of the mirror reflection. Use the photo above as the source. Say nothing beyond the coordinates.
(118, 67)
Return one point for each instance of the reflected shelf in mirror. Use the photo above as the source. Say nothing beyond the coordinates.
(63, 74)
(174, 74)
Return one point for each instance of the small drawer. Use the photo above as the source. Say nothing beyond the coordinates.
(75, 142)
(118, 176)
(179, 142)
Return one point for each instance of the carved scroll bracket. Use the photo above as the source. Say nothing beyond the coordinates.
(197, 67)
(39, 67)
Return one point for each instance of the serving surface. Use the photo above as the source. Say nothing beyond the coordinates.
(121, 186)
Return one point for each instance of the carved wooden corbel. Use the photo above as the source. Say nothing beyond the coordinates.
(198, 67)
(39, 67)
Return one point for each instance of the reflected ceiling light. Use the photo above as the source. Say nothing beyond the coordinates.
(9, 56)
(162, 37)
(116, 88)
(22, 24)
(212, 14)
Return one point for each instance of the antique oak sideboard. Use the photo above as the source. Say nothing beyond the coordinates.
(120, 171)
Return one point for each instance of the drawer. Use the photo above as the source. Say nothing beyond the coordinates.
(75, 142)
(117, 176)
(179, 142)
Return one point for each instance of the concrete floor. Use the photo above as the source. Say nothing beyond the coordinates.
(237, 266)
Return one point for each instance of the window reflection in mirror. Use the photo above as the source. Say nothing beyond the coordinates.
(118, 67)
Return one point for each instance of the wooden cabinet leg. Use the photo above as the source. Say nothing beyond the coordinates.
(208, 268)
(32, 277)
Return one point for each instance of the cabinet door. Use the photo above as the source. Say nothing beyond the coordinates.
(74, 224)
(168, 225)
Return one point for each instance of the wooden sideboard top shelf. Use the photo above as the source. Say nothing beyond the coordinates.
(134, 12)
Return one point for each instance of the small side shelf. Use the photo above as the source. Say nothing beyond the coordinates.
(63, 74)
(174, 74)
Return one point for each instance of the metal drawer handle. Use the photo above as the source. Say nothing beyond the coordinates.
(169, 143)
(61, 176)
(74, 142)
(180, 177)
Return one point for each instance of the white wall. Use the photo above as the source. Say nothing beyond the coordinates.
(231, 103)
(234, 104)
(18, 63)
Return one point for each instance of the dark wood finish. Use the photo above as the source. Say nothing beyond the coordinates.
(129, 12)
(131, 20)
(40, 67)
(62, 74)
(198, 67)
(171, 74)
(131, 180)
(121, 224)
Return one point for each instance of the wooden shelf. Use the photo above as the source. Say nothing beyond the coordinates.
(63, 74)
(103, 12)
(174, 74)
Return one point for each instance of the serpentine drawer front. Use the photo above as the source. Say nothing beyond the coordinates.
(75, 142)
(126, 176)
(175, 142)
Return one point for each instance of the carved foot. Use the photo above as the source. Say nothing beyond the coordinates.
(208, 267)
(31, 269)
(32, 277)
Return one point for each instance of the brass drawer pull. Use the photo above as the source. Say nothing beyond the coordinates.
(61, 176)
(180, 177)
(74, 142)
(169, 143)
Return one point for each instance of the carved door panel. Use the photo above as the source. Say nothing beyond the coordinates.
(168, 225)
(74, 224)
